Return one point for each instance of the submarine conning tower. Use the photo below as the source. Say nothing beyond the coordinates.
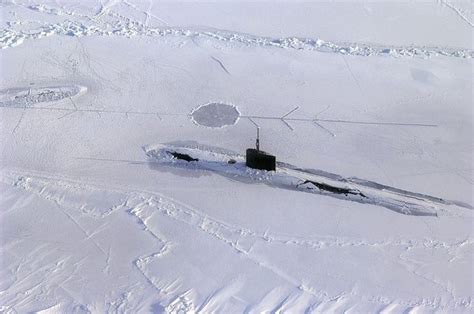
(258, 159)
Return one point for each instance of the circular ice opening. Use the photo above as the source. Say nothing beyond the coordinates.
(215, 115)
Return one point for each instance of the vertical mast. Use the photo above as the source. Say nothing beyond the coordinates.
(257, 142)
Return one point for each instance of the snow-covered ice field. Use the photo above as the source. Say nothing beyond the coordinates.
(371, 98)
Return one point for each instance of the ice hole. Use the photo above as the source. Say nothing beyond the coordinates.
(215, 115)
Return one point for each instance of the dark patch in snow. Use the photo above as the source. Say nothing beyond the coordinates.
(332, 189)
(422, 76)
(182, 156)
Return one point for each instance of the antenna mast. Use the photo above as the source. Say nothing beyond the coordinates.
(257, 159)
(257, 141)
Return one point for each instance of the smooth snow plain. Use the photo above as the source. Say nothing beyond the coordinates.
(95, 219)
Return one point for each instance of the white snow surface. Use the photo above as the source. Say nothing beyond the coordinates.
(370, 97)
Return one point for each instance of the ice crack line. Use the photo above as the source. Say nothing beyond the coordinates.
(242, 241)
(140, 208)
(458, 12)
(9, 37)
(143, 204)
